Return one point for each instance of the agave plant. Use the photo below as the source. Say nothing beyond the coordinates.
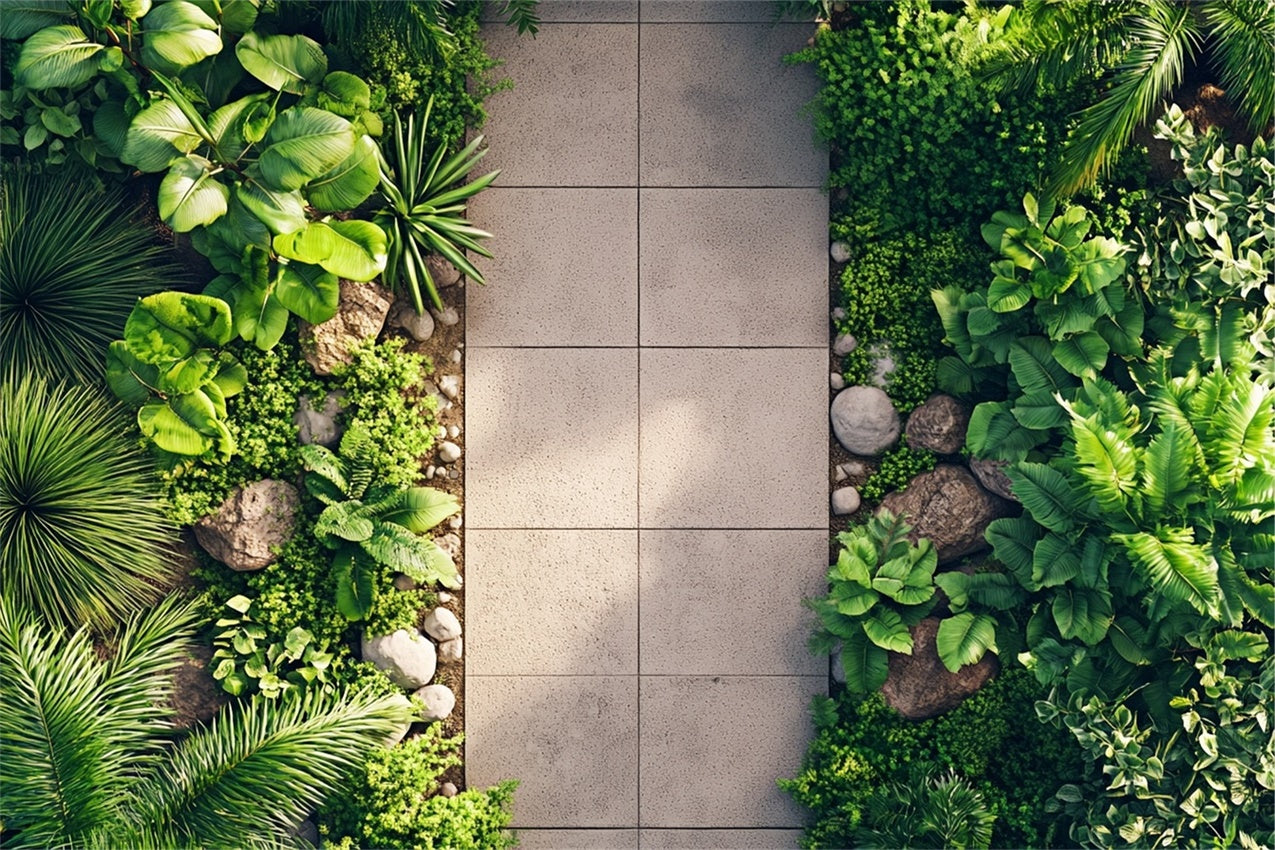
(82, 537)
(1143, 48)
(424, 209)
(374, 524)
(73, 262)
(87, 755)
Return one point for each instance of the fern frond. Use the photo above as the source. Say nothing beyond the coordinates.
(1169, 467)
(1242, 36)
(1175, 566)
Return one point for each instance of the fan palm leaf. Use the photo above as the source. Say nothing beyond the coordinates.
(1242, 40)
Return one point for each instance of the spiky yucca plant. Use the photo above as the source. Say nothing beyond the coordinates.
(87, 755)
(83, 537)
(1143, 47)
(73, 262)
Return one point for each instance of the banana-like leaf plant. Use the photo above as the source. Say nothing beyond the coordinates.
(374, 525)
(424, 209)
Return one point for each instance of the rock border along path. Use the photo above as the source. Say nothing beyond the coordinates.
(647, 431)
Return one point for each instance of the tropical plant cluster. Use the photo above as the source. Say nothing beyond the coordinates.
(1116, 353)
(143, 384)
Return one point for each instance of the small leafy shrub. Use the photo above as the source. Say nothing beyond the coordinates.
(897, 467)
(394, 803)
(73, 262)
(383, 395)
(371, 525)
(83, 537)
(863, 746)
(55, 129)
(885, 297)
(926, 811)
(245, 659)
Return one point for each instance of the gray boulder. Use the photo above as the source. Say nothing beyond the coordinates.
(918, 686)
(361, 315)
(938, 425)
(408, 658)
(441, 624)
(451, 651)
(249, 528)
(442, 271)
(845, 501)
(991, 474)
(864, 420)
(403, 316)
(948, 507)
(439, 702)
(318, 425)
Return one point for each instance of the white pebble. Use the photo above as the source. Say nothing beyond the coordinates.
(455, 523)
(440, 473)
(450, 385)
(843, 344)
(444, 596)
(448, 789)
(836, 381)
(453, 431)
(455, 355)
(845, 500)
(449, 452)
(839, 251)
(429, 471)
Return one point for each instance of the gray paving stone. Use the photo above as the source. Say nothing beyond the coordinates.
(573, 119)
(719, 109)
(571, 740)
(729, 602)
(551, 438)
(734, 267)
(706, 11)
(721, 839)
(575, 598)
(564, 271)
(712, 748)
(729, 440)
(578, 839)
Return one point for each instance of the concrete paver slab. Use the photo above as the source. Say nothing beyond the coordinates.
(578, 839)
(548, 283)
(576, 118)
(718, 108)
(572, 740)
(710, 274)
(712, 747)
(575, 594)
(721, 839)
(729, 602)
(706, 11)
(727, 439)
(574, 11)
(551, 438)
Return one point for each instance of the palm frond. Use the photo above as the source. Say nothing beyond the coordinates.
(1165, 38)
(1242, 40)
(260, 767)
(420, 24)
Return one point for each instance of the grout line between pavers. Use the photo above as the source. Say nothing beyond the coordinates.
(638, 453)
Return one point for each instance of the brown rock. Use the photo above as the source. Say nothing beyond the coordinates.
(991, 474)
(949, 508)
(919, 686)
(361, 315)
(938, 425)
(247, 530)
(196, 696)
(442, 271)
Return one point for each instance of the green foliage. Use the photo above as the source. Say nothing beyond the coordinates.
(245, 658)
(926, 811)
(73, 262)
(884, 295)
(55, 129)
(90, 762)
(917, 142)
(394, 802)
(383, 395)
(897, 467)
(863, 746)
(70, 482)
(171, 364)
(424, 201)
(369, 524)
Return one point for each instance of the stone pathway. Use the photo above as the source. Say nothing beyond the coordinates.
(647, 431)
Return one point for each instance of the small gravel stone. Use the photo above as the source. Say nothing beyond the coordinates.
(441, 624)
(439, 702)
(404, 582)
(429, 471)
(845, 500)
(838, 671)
(453, 431)
(454, 474)
(444, 597)
(450, 385)
(836, 381)
(451, 651)
(853, 468)
(449, 543)
(419, 326)
(448, 789)
(440, 473)
(446, 317)
(839, 251)
(455, 355)
(843, 344)
(839, 475)
(448, 452)
(440, 432)
(455, 523)
(838, 313)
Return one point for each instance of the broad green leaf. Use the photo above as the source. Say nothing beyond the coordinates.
(59, 122)
(185, 425)
(259, 317)
(353, 574)
(1167, 472)
(995, 590)
(955, 586)
(190, 196)
(1083, 613)
(851, 599)
(1232, 645)
(227, 124)
(354, 250)
(419, 509)
(1046, 494)
(304, 144)
(850, 567)
(887, 630)
(177, 35)
(188, 375)
(23, 18)
(308, 291)
(865, 664)
(135, 9)
(344, 94)
(236, 16)
(170, 326)
(994, 433)
(963, 639)
(283, 62)
(1013, 541)
(231, 377)
(110, 125)
(350, 183)
(1129, 639)
(57, 57)
(1175, 566)
(1035, 368)
(130, 379)
(1055, 561)
(344, 521)
(1108, 463)
(1007, 294)
(281, 212)
(1083, 355)
(1039, 411)
(157, 135)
